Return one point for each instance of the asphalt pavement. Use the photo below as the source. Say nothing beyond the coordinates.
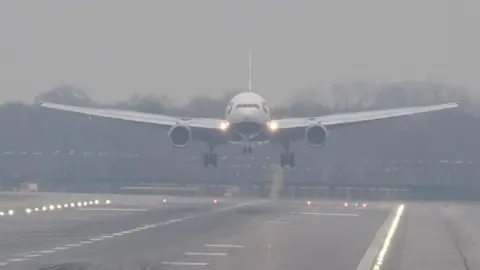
(192, 233)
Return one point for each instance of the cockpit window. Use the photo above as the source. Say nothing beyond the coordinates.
(248, 106)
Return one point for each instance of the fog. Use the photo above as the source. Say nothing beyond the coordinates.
(61, 149)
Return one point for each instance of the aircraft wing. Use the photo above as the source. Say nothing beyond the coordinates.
(336, 120)
(202, 128)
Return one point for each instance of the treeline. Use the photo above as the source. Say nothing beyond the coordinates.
(27, 128)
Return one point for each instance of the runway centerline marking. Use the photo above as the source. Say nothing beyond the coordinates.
(138, 229)
(185, 263)
(224, 246)
(205, 254)
(18, 259)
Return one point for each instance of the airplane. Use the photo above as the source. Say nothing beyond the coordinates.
(247, 122)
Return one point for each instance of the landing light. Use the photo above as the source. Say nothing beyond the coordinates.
(215, 201)
(224, 126)
(272, 125)
(309, 203)
(364, 205)
(345, 204)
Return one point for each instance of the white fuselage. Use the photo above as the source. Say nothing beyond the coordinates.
(247, 114)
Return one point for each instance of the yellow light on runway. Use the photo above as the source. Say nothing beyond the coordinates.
(52, 207)
(28, 210)
(107, 201)
(2, 214)
(11, 212)
(96, 201)
(72, 204)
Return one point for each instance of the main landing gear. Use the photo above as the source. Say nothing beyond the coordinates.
(287, 158)
(210, 158)
(247, 149)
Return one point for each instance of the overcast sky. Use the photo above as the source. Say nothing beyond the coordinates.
(183, 48)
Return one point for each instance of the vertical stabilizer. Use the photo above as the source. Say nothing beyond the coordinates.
(249, 70)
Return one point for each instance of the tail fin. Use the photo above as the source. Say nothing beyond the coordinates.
(249, 70)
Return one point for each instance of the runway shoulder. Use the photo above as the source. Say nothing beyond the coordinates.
(439, 235)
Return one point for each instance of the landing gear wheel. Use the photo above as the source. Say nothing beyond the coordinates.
(287, 159)
(291, 158)
(245, 150)
(210, 159)
(214, 160)
(249, 149)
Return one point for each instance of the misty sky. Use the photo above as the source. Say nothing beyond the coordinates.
(183, 48)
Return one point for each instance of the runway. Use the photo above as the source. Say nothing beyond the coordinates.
(232, 234)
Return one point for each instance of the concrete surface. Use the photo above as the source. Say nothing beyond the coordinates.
(232, 234)
(437, 236)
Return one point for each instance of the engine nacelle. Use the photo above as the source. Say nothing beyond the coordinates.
(316, 135)
(180, 136)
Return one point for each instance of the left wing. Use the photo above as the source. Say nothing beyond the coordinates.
(336, 120)
(203, 129)
(133, 116)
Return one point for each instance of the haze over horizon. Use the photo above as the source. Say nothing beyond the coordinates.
(115, 49)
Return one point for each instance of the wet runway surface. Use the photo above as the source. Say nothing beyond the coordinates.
(198, 234)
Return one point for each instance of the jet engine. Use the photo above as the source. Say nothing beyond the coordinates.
(316, 135)
(180, 136)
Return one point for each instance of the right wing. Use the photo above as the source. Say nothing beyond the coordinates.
(342, 119)
(204, 128)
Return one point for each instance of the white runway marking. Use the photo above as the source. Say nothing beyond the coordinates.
(18, 259)
(185, 263)
(145, 227)
(375, 248)
(96, 239)
(86, 242)
(32, 255)
(329, 214)
(205, 254)
(224, 246)
(47, 251)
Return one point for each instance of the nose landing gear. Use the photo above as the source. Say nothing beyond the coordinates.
(210, 158)
(247, 149)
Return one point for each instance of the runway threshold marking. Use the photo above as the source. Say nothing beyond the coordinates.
(126, 232)
(376, 252)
